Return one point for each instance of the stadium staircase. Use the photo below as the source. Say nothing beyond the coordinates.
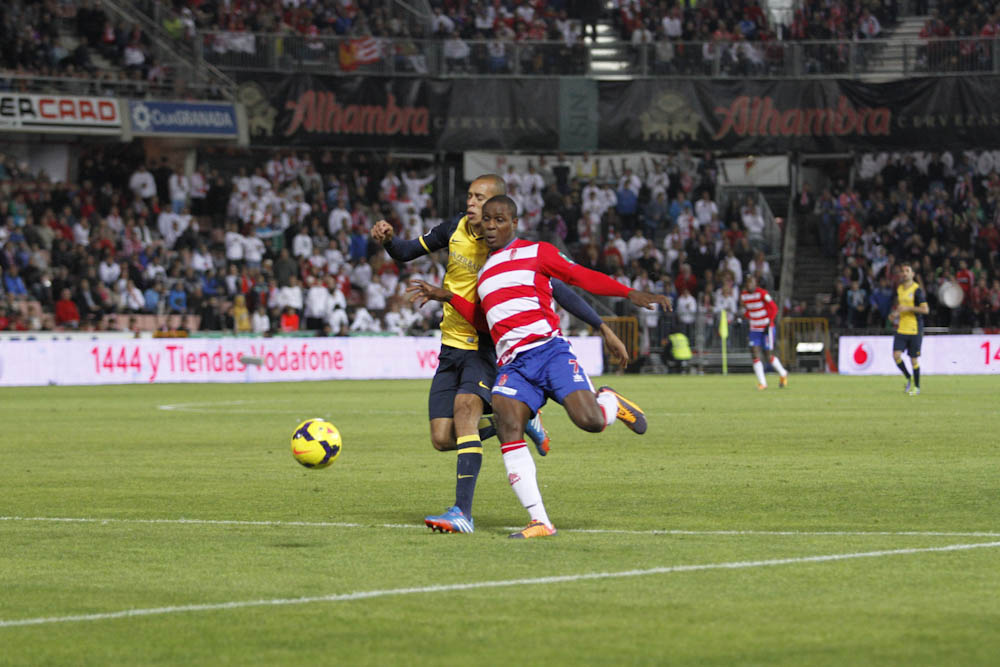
(607, 58)
(814, 271)
(179, 57)
(891, 62)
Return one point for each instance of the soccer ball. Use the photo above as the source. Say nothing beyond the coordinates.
(316, 443)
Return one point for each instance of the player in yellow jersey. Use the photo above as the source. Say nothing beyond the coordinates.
(462, 385)
(909, 311)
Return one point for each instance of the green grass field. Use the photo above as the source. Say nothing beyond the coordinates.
(836, 522)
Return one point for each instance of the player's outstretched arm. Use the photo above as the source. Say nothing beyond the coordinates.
(578, 307)
(403, 251)
(420, 292)
(648, 299)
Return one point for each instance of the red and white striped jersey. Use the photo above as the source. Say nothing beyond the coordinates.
(515, 293)
(759, 308)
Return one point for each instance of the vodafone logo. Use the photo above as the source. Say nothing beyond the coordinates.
(863, 356)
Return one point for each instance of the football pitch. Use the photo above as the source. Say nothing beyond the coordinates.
(835, 522)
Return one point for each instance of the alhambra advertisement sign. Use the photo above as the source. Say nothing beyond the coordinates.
(806, 116)
(421, 114)
(656, 115)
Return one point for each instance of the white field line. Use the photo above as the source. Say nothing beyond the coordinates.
(344, 524)
(446, 588)
(245, 407)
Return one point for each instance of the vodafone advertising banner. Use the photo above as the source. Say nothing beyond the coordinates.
(939, 355)
(59, 113)
(117, 361)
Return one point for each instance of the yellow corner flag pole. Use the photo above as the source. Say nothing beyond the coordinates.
(724, 334)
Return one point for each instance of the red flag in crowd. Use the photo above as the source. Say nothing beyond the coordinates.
(359, 51)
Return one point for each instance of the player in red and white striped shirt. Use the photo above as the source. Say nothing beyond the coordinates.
(535, 361)
(759, 310)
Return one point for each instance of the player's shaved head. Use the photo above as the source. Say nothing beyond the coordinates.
(497, 185)
(505, 201)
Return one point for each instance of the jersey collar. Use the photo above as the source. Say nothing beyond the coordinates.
(468, 228)
(512, 242)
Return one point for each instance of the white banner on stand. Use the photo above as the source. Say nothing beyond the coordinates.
(939, 355)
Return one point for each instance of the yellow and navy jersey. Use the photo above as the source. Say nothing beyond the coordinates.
(912, 296)
(466, 255)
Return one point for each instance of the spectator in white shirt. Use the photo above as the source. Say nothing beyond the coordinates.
(199, 190)
(241, 182)
(275, 169)
(533, 179)
(726, 301)
(705, 208)
(389, 186)
(672, 26)
(201, 259)
(338, 321)
(631, 181)
(868, 26)
(260, 323)
(302, 245)
(340, 217)
(375, 298)
(658, 181)
(512, 177)
(441, 23)
(108, 270)
(686, 310)
(317, 304)
(142, 184)
(235, 244)
(396, 321)
(179, 186)
(361, 275)
(760, 267)
(259, 183)
(253, 251)
(363, 321)
(317, 260)
(636, 245)
(618, 242)
(753, 222)
(687, 223)
(291, 295)
(732, 264)
(456, 53)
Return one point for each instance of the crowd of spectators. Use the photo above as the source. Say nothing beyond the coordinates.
(733, 37)
(947, 34)
(282, 244)
(77, 48)
(937, 211)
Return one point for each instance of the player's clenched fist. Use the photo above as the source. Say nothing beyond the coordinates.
(382, 231)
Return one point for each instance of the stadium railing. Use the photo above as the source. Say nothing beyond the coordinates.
(284, 52)
(109, 87)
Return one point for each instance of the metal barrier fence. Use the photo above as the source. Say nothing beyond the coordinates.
(421, 57)
(110, 86)
(795, 330)
(626, 328)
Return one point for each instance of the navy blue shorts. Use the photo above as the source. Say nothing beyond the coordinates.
(909, 343)
(461, 372)
(547, 371)
(763, 339)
